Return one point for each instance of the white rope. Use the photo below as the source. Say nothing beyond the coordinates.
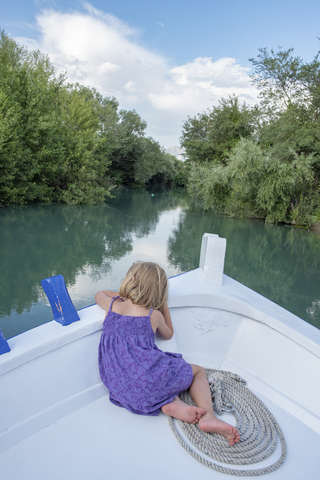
(259, 431)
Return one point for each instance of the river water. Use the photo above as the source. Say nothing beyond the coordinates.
(93, 246)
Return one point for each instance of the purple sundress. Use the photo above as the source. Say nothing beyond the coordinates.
(140, 377)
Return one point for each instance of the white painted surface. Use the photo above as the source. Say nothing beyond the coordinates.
(101, 440)
(50, 371)
(56, 420)
(213, 251)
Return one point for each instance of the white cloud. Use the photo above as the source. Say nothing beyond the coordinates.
(99, 50)
(205, 68)
(130, 86)
(199, 85)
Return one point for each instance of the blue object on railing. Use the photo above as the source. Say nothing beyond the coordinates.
(4, 347)
(62, 307)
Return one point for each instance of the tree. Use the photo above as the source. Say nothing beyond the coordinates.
(284, 79)
(153, 165)
(256, 184)
(29, 89)
(210, 136)
(10, 148)
(66, 143)
(76, 168)
(136, 159)
(290, 95)
(270, 167)
(129, 130)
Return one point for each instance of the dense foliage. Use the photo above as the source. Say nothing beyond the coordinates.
(66, 143)
(210, 136)
(262, 161)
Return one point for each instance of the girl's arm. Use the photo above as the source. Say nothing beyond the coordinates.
(164, 325)
(167, 317)
(104, 297)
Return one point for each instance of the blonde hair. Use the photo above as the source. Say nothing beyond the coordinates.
(145, 284)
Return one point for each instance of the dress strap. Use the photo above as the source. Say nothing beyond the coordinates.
(150, 312)
(113, 299)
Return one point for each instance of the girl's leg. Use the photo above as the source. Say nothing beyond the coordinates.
(200, 392)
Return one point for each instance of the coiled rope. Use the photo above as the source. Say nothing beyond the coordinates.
(259, 431)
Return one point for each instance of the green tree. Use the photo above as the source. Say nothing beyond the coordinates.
(129, 130)
(154, 165)
(66, 143)
(290, 96)
(210, 136)
(265, 186)
(270, 167)
(28, 88)
(75, 171)
(10, 148)
(284, 79)
(50, 133)
(138, 160)
(181, 172)
(255, 183)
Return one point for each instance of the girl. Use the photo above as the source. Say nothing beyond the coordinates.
(139, 376)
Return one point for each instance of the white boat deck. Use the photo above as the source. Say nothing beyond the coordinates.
(101, 440)
(56, 420)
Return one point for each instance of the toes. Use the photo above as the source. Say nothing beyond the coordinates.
(235, 438)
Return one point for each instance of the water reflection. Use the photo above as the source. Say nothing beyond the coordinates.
(38, 241)
(281, 263)
(97, 243)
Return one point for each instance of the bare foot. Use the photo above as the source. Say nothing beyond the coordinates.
(211, 424)
(182, 411)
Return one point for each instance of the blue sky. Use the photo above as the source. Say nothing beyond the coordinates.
(166, 59)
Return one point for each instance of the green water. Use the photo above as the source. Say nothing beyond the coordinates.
(93, 246)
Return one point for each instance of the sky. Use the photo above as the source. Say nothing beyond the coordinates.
(166, 59)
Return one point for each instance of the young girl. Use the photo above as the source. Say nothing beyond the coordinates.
(139, 376)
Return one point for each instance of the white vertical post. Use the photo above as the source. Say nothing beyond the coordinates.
(213, 250)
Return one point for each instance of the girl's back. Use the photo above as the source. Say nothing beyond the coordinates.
(122, 321)
(139, 376)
